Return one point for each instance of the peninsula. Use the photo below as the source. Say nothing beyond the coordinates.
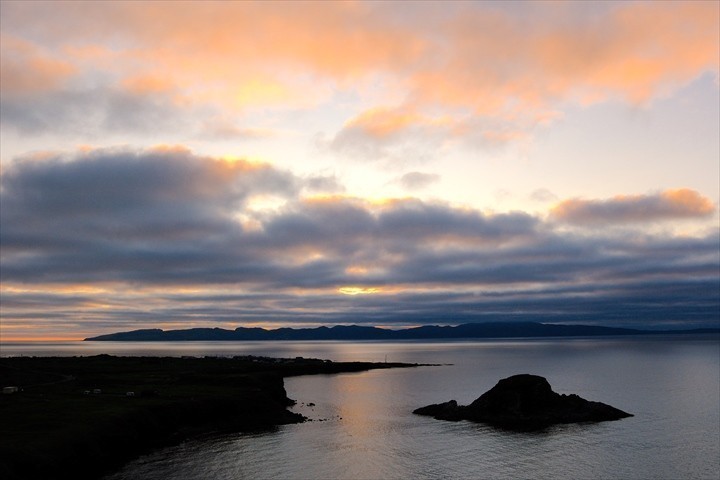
(87, 416)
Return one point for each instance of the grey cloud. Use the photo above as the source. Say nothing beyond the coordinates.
(223, 129)
(350, 229)
(91, 112)
(120, 213)
(324, 183)
(123, 185)
(159, 219)
(353, 143)
(418, 180)
(416, 144)
(635, 306)
(416, 219)
(543, 195)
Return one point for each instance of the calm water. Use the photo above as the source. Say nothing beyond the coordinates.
(363, 426)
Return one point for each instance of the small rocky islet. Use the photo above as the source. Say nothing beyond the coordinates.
(524, 402)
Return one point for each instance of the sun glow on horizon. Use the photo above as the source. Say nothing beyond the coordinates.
(312, 163)
(352, 291)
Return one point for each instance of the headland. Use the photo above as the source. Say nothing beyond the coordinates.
(82, 417)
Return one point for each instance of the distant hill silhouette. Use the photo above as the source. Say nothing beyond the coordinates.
(356, 332)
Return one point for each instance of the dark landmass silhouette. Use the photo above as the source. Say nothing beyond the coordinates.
(83, 417)
(356, 332)
(524, 402)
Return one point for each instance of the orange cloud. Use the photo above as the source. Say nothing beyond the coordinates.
(144, 84)
(634, 51)
(26, 69)
(381, 122)
(688, 200)
(667, 205)
(510, 72)
(228, 35)
(451, 64)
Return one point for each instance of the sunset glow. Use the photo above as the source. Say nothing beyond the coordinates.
(380, 163)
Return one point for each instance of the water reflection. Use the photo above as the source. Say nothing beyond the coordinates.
(673, 388)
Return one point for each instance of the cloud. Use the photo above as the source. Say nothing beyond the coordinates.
(667, 205)
(418, 180)
(93, 112)
(493, 91)
(103, 208)
(543, 195)
(448, 70)
(633, 51)
(387, 133)
(382, 123)
(160, 214)
(112, 239)
(225, 129)
(27, 70)
(403, 132)
(324, 184)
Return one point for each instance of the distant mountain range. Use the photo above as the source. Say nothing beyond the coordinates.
(355, 332)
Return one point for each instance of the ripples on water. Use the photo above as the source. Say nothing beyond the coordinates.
(363, 426)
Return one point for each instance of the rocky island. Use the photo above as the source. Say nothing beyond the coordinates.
(524, 402)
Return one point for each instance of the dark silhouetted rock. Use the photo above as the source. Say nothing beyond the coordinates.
(524, 402)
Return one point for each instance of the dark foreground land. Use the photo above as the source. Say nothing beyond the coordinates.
(82, 417)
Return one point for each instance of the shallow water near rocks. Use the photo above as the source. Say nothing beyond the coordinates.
(362, 425)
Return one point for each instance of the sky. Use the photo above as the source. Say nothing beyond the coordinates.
(223, 164)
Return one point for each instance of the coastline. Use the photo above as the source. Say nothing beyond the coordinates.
(487, 330)
(87, 416)
(291, 348)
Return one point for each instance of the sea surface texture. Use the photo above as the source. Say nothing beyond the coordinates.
(363, 428)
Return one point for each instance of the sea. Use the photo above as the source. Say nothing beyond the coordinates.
(362, 426)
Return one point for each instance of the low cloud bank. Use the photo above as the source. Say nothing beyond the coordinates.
(111, 236)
